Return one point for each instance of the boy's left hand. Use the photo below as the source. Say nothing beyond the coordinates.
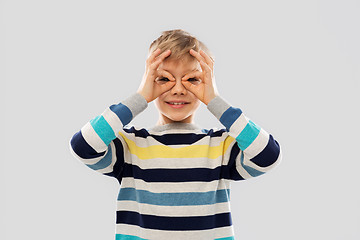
(206, 89)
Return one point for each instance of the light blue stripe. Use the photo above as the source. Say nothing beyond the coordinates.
(103, 163)
(174, 199)
(128, 237)
(253, 172)
(247, 135)
(103, 129)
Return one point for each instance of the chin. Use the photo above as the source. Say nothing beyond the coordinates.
(178, 118)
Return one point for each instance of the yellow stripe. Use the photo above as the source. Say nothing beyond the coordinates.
(192, 151)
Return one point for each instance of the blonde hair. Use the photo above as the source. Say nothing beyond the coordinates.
(179, 42)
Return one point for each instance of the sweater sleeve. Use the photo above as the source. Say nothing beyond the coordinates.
(255, 151)
(99, 145)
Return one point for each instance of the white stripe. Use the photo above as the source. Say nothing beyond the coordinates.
(92, 138)
(176, 163)
(174, 131)
(174, 235)
(173, 211)
(239, 125)
(113, 120)
(175, 187)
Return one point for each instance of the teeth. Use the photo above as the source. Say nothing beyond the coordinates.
(173, 103)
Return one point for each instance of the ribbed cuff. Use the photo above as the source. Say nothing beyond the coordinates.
(217, 106)
(136, 103)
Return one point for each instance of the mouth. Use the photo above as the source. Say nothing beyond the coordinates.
(177, 104)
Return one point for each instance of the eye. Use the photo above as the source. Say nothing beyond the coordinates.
(162, 80)
(193, 80)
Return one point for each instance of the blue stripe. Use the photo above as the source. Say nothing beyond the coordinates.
(176, 138)
(174, 199)
(268, 155)
(174, 223)
(103, 163)
(103, 129)
(123, 112)
(229, 116)
(247, 135)
(172, 175)
(253, 172)
(128, 237)
(82, 148)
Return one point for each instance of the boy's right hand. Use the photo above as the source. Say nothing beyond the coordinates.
(148, 88)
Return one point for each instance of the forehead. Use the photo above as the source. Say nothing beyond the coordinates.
(179, 65)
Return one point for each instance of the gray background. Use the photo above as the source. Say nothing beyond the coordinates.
(293, 67)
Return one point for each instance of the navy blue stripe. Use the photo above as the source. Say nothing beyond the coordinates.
(269, 154)
(176, 175)
(119, 164)
(82, 148)
(143, 133)
(175, 138)
(231, 171)
(229, 116)
(174, 223)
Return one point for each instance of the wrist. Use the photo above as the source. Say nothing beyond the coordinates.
(209, 99)
(143, 95)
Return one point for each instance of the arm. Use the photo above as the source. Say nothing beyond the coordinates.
(256, 150)
(98, 143)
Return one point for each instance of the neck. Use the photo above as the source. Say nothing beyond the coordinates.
(164, 120)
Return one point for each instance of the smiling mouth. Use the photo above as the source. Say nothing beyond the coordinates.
(177, 103)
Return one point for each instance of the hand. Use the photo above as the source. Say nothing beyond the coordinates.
(205, 89)
(148, 88)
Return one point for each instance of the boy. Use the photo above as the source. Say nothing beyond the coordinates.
(175, 177)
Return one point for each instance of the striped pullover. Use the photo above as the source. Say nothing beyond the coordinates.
(174, 178)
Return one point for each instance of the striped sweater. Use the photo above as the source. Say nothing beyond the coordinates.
(175, 178)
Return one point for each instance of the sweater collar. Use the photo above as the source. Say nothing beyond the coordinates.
(175, 125)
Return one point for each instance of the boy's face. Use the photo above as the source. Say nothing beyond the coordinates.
(168, 112)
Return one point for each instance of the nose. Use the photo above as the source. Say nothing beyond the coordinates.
(178, 88)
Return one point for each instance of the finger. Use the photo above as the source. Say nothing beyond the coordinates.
(165, 73)
(204, 66)
(208, 73)
(193, 74)
(164, 87)
(152, 56)
(160, 58)
(190, 87)
(207, 58)
(196, 55)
